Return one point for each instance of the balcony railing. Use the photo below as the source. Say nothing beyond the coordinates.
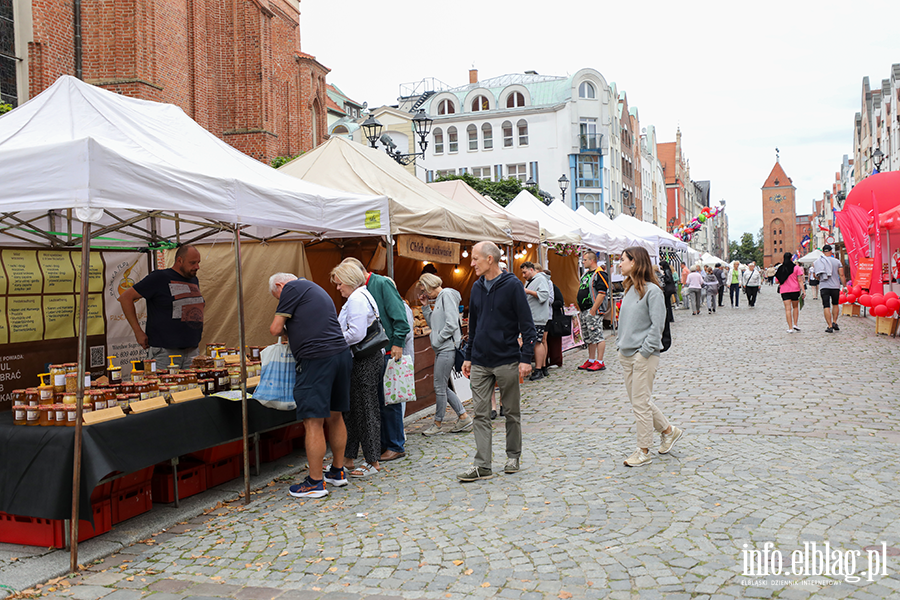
(590, 142)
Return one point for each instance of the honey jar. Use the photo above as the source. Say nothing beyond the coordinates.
(113, 373)
(122, 400)
(19, 414)
(58, 374)
(149, 365)
(32, 416)
(71, 414)
(32, 397)
(45, 390)
(17, 397)
(97, 400)
(46, 416)
(137, 373)
(71, 382)
(61, 414)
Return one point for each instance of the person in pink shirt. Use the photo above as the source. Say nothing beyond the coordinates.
(790, 279)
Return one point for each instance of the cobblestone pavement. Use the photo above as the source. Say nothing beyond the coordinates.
(790, 438)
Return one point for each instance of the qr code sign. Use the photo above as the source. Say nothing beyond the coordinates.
(98, 356)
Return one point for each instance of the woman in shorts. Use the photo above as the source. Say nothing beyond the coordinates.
(790, 280)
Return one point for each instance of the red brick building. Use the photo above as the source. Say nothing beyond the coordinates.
(234, 66)
(675, 172)
(779, 212)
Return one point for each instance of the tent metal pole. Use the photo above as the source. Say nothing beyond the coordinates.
(245, 425)
(82, 360)
(390, 256)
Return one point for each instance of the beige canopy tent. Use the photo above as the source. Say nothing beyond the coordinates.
(521, 230)
(414, 207)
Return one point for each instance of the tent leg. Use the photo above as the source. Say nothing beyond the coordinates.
(390, 256)
(82, 359)
(245, 426)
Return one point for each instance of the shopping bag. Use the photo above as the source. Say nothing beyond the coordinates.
(276, 382)
(400, 381)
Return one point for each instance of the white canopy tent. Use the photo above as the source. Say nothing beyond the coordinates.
(138, 173)
(709, 260)
(553, 229)
(649, 232)
(522, 230)
(810, 257)
(612, 242)
(607, 224)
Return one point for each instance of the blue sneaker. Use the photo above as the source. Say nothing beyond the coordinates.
(309, 489)
(336, 477)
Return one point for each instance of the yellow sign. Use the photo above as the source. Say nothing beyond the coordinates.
(59, 317)
(23, 271)
(96, 322)
(59, 274)
(3, 281)
(424, 248)
(95, 284)
(373, 219)
(26, 319)
(4, 332)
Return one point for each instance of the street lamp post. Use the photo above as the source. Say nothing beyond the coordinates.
(610, 211)
(625, 197)
(372, 129)
(671, 224)
(563, 186)
(878, 159)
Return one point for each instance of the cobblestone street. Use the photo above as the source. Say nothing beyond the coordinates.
(789, 438)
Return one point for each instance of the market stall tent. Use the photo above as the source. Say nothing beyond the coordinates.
(649, 232)
(810, 257)
(607, 224)
(521, 229)
(553, 229)
(611, 240)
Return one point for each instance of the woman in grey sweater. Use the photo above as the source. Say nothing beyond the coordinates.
(642, 317)
(446, 334)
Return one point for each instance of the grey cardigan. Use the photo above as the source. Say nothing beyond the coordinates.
(444, 320)
(641, 322)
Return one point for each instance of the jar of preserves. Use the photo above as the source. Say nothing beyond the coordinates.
(234, 378)
(71, 382)
(152, 387)
(71, 415)
(19, 414)
(32, 397)
(61, 414)
(58, 375)
(127, 387)
(45, 390)
(122, 400)
(70, 398)
(113, 373)
(191, 379)
(17, 396)
(97, 399)
(71, 367)
(137, 370)
(133, 398)
(46, 416)
(218, 359)
(223, 378)
(32, 416)
(149, 365)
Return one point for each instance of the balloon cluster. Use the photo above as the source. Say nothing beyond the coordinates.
(885, 305)
(686, 232)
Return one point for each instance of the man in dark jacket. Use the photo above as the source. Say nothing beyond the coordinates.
(720, 277)
(498, 315)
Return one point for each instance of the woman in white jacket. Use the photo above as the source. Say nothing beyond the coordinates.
(446, 334)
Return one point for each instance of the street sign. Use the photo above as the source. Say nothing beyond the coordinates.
(829, 239)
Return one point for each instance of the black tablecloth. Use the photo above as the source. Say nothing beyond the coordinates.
(36, 463)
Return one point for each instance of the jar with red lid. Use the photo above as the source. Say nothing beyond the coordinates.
(17, 397)
(98, 399)
(32, 397)
(32, 416)
(122, 400)
(46, 416)
(58, 374)
(19, 414)
(71, 414)
(61, 414)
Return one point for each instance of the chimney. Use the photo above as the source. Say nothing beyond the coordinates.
(473, 75)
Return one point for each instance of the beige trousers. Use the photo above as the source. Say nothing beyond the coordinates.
(639, 375)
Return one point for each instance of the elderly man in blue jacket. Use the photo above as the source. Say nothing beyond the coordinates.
(498, 315)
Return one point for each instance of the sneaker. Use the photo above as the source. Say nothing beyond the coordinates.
(336, 477)
(546, 371)
(309, 489)
(538, 374)
(835, 327)
(597, 366)
(463, 425)
(475, 473)
(790, 331)
(668, 440)
(512, 466)
(501, 411)
(586, 364)
(493, 414)
(829, 330)
(796, 328)
(435, 429)
(638, 459)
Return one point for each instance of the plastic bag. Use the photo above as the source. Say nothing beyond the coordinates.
(400, 381)
(276, 383)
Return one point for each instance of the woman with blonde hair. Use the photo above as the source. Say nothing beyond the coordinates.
(364, 419)
(446, 333)
(642, 318)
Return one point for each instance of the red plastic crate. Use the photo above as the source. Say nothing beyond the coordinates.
(272, 448)
(220, 452)
(133, 480)
(191, 481)
(222, 471)
(31, 531)
(131, 502)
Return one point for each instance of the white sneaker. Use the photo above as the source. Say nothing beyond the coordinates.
(669, 440)
(435, 429)
(638, 459)
(790, 331)
(463, 425)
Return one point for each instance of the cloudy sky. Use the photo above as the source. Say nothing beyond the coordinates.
(739, 80)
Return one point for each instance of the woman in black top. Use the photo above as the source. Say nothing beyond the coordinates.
(669, 288)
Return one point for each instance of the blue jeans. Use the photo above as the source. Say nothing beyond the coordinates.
(392, 436)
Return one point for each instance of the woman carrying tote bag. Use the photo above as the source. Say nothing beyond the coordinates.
(642, 318)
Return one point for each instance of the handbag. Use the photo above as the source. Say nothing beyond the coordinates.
(276, 382)
(460, 357)
(560, 326)
(375, 339)
(400, 381)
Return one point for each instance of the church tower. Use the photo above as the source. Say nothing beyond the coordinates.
(779, 216)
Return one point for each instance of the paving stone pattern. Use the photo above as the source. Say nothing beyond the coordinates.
(790, 438)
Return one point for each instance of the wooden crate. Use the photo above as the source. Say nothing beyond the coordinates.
(886, 326)
(851, 310)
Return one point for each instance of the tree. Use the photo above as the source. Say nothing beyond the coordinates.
(5, 108)
(502, 192)
(747, 250)
(280, 160)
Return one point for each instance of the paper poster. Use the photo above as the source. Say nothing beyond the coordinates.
(123, 270)
(95, 284)
(26, 322)
(96, 323)
(864, 272)
(4, 331)
(575, 340)
(23, 271)
(59, 272)
(3, 280)
(59, 316)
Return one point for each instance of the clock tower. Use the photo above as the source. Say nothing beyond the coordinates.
(779, 216)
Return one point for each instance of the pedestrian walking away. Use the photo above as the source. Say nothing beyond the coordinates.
(322, 386)
(668, 288)
(734, 291)
(641, 321)
(813, 282)
(831, 279)
(711, 285)
(498, 316)
(694, 287)
(751, 279)
(445, 337)
(720, 276)
(593, 290)
(790, 286)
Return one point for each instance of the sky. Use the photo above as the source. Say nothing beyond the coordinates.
(739, 80)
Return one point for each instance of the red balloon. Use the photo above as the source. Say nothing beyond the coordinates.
(851, 298)
(857, 289)
(865, 300)
(877, 299)
(893, 304)
(890, 295)
(842, 299)
(881, 311)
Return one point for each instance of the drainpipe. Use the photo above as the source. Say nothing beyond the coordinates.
(79, 73)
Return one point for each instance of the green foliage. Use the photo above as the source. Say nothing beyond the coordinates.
(5, 108)
(281, 160)
(747, 250)
(502, 192)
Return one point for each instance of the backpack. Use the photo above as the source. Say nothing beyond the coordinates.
(604, 306)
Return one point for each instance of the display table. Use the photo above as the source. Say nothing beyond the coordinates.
(36, 471)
